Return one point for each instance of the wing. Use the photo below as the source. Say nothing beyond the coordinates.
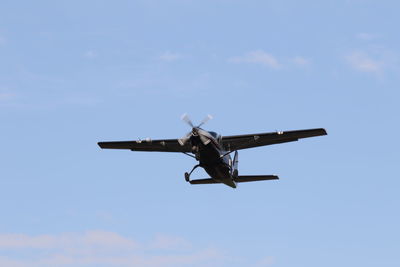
(237, 142)
(167, 145)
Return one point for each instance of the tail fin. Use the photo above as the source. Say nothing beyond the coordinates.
(253, 178)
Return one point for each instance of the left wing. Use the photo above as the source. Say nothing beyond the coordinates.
(167, 145)
(237, 142)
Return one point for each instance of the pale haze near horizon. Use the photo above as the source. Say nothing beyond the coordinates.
(73, 73)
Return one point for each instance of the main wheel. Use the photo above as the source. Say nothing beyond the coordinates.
(186, 177)
(235, 174)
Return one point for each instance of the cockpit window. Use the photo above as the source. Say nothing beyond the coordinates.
(216, 136)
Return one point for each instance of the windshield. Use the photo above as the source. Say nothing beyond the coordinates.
(215, 135)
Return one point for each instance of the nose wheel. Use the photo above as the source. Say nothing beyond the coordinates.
(187, 175)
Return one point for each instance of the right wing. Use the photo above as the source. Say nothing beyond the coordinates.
(237, 142)
(167, 145)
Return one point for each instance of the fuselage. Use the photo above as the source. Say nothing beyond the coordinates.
(212, 157)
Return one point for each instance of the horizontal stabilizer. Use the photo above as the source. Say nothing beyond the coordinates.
(253, 178)
(204, 181)
(239, 179)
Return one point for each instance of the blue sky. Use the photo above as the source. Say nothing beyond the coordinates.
(73, 73)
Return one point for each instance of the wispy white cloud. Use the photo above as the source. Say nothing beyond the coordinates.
(6, 94)
(263, 58)
(366, 36)
(90, 54)
(68, 240)
(257, 57)
(3, 39)
(266, 261)
(170, 56)
(363, 62)
(169, 242)
(94, 248)
(301, 61)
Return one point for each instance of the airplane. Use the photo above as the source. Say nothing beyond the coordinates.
(213, 151)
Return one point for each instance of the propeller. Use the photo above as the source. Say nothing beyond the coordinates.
(196, 130)
(186, 119)
(206, 119)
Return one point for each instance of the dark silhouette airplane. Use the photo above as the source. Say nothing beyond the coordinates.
(213, 150)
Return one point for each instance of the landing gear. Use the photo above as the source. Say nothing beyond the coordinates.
(187, 175)
(235, 174)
